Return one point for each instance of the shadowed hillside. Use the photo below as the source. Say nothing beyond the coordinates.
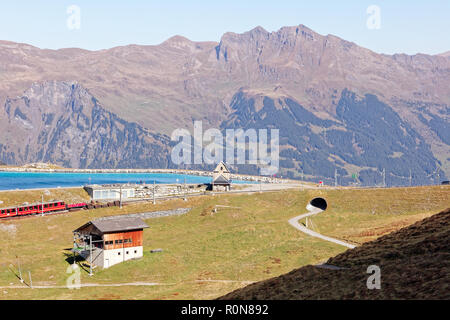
(414, 263)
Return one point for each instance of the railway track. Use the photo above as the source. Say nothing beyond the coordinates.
(181, 196)
(33, 215)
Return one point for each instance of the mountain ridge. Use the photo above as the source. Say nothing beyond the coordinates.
(170, 85)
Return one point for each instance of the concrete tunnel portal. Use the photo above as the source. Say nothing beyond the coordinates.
(320, 203)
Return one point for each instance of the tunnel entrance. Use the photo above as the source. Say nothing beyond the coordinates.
(320, 203)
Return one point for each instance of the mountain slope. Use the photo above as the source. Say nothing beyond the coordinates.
(61, 122)
(414, 263)
(205, 75)
(356, 137)
(167, 86)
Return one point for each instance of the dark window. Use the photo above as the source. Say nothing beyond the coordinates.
(128, 252)
(135, 251)
(118, 253)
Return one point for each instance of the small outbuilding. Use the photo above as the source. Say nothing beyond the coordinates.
(221, 179)
(108, 241)
(110, 192)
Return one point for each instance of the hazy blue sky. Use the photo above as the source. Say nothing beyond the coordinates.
(406, 26)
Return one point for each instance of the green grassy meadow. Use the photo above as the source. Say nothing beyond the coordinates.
(206, 254)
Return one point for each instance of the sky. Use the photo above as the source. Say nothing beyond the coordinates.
(384, 26)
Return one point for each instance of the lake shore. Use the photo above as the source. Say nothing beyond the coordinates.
(242, 177)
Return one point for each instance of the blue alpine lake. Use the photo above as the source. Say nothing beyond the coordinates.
(38, 180)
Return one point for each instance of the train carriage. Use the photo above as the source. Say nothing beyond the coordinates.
(37, 208)
(8, 212)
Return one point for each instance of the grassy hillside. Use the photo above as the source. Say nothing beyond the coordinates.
(414, 263)
(249, 241)
(69, 195)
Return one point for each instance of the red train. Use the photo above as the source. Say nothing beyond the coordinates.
(39, 208)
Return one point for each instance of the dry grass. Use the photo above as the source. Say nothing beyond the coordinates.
(69, 195)
(414, 263)
(251, 241)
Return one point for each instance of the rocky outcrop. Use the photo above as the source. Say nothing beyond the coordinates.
(61, 122)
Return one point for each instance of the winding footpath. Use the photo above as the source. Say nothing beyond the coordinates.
(312, 211)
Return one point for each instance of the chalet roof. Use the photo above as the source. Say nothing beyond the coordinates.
(115, 224)
(221, 180)
(222, 164)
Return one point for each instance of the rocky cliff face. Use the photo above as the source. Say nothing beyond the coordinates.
(61, 122)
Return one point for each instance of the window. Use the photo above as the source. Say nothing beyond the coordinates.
(118, 253)
(135, 251)
(128, 252)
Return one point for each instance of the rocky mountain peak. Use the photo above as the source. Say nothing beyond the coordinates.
(167, 86)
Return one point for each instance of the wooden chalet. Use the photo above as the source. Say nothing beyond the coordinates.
(110, 240)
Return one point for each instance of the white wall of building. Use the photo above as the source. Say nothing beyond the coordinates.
(112, 194)
(115, 256)
(108, 258)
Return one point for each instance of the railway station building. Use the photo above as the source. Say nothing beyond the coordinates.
(221, 178)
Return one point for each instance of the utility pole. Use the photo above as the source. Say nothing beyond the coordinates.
(335, 178)
(20, 271)
(410, 178)
(154, 201)
(384, 177)
(120, 197)
(42, 209)
(90, 255)
(185, 199)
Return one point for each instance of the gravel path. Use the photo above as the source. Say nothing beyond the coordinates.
(312, 211)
